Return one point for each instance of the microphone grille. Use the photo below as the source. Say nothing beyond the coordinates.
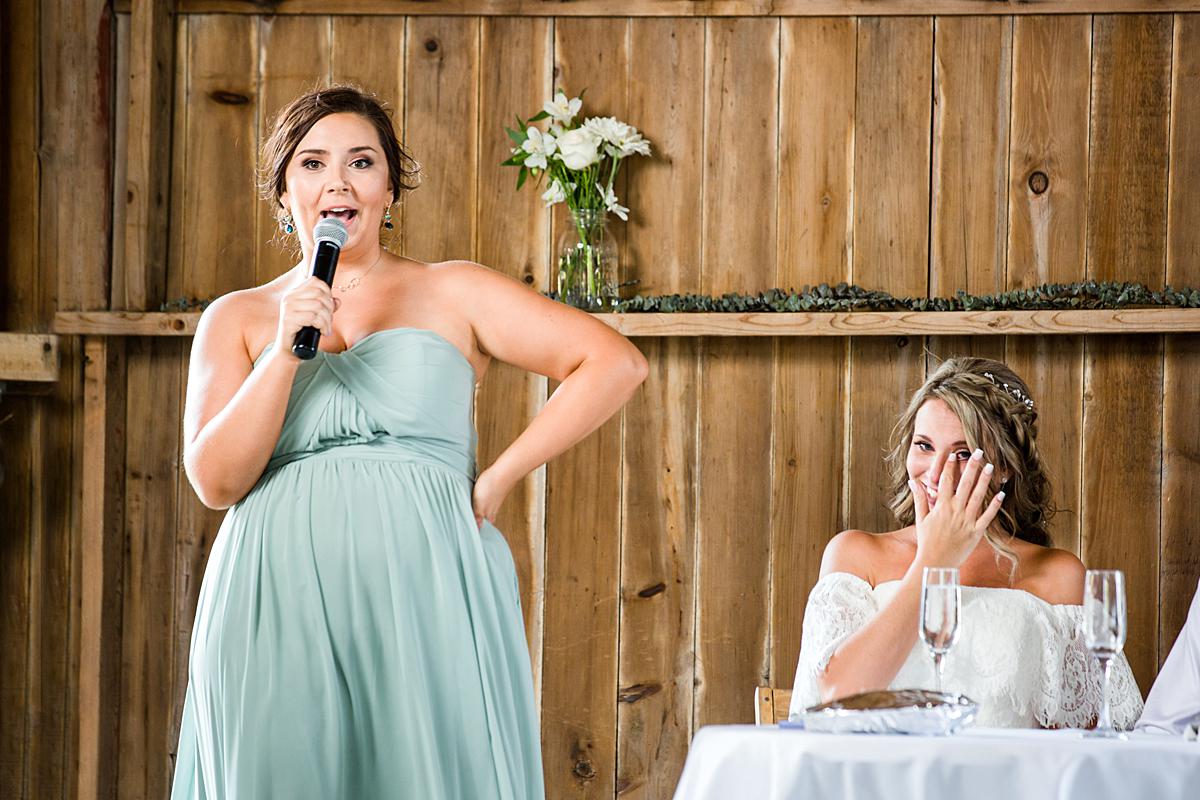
(330, 230)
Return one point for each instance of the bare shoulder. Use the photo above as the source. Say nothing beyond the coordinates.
(1054, 575)
(856, 552)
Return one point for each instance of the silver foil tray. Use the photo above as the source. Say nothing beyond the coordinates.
(911, 711)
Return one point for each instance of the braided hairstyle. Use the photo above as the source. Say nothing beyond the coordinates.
(997, 415)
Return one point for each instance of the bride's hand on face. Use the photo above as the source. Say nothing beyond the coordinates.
(309, 303)
(949, 532)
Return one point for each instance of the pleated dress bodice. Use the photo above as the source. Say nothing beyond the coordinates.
(406, 391)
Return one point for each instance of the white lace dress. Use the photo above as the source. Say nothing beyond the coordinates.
(1022, 659)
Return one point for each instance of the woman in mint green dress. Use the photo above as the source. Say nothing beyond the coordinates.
(358, 633)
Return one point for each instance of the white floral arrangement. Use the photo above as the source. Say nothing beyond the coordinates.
(579, 160)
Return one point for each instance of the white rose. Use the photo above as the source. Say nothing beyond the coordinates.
(579, 149)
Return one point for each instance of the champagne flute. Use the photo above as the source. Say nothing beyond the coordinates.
(941, 599)
(1104, 632)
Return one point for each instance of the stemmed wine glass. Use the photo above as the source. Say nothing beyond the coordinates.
(941, 599)
(1104, 631)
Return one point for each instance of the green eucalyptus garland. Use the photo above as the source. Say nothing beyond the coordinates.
(848, 297)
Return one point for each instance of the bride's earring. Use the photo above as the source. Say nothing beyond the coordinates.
(287, 224)
(387, 218)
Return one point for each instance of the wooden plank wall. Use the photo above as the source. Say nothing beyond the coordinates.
(664, 563)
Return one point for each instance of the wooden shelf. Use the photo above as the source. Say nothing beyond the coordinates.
(858, 323)
(28, 357)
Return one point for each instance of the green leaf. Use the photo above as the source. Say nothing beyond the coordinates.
(538, 117)
(518, 136)
(524, 173)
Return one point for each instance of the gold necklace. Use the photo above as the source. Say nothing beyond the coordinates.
(354, 282)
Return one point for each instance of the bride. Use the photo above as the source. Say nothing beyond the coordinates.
(970, 489)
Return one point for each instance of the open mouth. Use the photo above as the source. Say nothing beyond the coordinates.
(342, 213)
(931, 495)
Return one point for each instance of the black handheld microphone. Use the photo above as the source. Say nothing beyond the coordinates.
(328, 238)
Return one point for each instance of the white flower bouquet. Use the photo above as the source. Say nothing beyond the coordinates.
(579, 162)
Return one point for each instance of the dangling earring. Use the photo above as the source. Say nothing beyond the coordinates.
(387, 218)
(287, 223)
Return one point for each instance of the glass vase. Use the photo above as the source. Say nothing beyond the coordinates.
(587, 261)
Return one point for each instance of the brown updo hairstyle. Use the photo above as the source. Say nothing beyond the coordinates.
(998, 416)
(294, 122)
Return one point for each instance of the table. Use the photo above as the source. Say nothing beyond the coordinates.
(736, 762)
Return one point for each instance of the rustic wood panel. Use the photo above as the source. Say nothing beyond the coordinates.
(28, 357)
(21, 289)
(654, 712)
(442, 101)
(1047, 197)
(15, 677)
(1179, 546)
(294, 57)
(51, 715)
(971, 99)
(583, 530)
(816, 183)
(369, 52)
(218, 206)
(1123, 379)
(148, 149)
(102, 526)
(685, 8)
(148, 574)
(515, 63)
(891, 241)
(736, 386)
(75, 125)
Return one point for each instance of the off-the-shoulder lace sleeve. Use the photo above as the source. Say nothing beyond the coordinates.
(838, 605)
(1074, 682)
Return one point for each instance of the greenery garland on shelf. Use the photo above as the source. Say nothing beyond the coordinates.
(848, 297)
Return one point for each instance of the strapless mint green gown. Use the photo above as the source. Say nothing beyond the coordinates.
(357, 635)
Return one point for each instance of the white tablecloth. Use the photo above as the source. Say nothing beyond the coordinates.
(744, 762)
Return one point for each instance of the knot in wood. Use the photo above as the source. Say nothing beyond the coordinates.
(431, 45)
(1039, 182)
(650, 591)
(584, 770)
(228, 98)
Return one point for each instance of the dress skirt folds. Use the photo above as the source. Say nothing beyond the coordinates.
(357, 635)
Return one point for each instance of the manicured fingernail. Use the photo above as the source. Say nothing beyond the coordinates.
(988, 469)
(977, 455)
(1000, 495)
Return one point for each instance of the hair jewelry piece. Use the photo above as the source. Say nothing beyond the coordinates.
(287, 223)
(1015, 391)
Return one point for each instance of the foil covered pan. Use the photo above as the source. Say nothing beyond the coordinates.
(912, 711)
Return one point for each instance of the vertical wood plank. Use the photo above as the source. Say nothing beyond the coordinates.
(102, 527)
(75, 153)
(369, 53)
(51, 713)
(891, 242)
(654, 712)
(24, 301)
(217, 228)
(148, 149)
(736, 383)
(442, 102)
(514, 228)
(121, 84)
(1178, 543)
(1047, 211)
(583, 504)
(15, 678)
(816, 186)
(179, 167)
(294, 57)
(1123, 378)
(971, 100)
(148, 574)
(971, 83)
